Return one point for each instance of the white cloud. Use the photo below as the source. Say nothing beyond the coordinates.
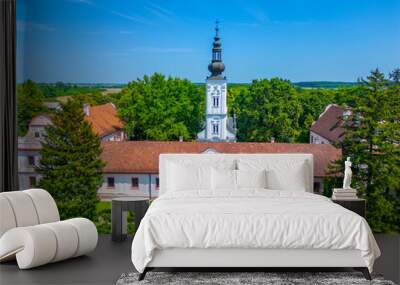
(136, 19)
(162, 50)
(258, 15)
(126, 32)
(33, 26)
(87, 2)
(159, 11)
(244, 24)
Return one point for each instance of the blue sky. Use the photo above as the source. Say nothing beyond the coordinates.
(121, 40)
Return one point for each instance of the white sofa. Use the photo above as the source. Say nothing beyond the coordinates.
(31, 231)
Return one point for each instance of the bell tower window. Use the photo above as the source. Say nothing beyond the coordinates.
(215, 127)
(215, 101)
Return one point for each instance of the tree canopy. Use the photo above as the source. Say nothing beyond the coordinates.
(372, 137)
(160, 108)
(30, 103)
(268, 109)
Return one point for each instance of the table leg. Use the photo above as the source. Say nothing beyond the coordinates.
(139, 210)
(116, 221)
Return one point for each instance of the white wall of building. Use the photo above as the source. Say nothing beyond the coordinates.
(317, 139)
(116, 136)
(26, 170)
(123, 185)
(216, 112)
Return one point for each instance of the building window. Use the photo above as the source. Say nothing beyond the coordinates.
(31, 160)
(32, 181)
(110, 182)
(157, 182)
(216, 101)
(135, 182)
(215, 128)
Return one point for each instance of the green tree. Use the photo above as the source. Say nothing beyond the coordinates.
(313, 103)
(70, 163)
(233, 91)
(94, 98)
(268, 109)
(372, 138)
(30, 103)
(159, 108)
(395, 75)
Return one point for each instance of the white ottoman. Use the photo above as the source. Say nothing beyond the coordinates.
(32, 243)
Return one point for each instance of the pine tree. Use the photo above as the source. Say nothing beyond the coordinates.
(372, 140)
(30, 103)
(70, 163)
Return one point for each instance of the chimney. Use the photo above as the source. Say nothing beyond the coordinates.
(86, 109)
(181, 138)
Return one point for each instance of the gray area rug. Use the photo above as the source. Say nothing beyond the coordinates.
(236, 278)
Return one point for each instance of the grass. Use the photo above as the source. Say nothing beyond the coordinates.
(103, 219)
(103, 205)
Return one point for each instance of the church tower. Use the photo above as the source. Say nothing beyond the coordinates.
(218, 127)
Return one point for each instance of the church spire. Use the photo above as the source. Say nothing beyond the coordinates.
(216, 67)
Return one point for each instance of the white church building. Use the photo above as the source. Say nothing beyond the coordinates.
(218, 126)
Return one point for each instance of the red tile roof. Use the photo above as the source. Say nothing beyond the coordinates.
(142, 156)
(330, 124)
(104, 119)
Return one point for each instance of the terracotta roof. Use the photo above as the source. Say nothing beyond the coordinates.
(329, 124)
(142, 156)
(104, 119)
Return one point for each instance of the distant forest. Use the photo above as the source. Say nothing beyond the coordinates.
(65, 89)
(325, 84)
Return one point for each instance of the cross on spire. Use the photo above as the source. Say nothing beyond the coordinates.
(216, 67)
(216, 28)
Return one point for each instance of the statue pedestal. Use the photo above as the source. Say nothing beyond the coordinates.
(344, 194)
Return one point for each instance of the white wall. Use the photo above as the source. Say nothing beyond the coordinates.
(317, 139)
(116, 136)
(25, 170)
(123, 185)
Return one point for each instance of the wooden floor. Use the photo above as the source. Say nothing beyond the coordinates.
(111, 259)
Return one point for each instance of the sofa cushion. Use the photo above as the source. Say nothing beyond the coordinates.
(7, 220)
(41, 244)
(45, 205)
(23, 208)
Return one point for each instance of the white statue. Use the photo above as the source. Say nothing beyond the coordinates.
(347, 174)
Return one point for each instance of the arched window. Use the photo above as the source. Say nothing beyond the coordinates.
(215, 101)
(215, 127)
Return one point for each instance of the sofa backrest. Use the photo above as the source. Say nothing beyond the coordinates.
(281, 162)
(26, 208)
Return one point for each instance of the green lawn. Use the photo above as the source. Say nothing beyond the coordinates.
(103, 220)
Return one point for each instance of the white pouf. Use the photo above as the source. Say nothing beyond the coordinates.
(31, 232)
